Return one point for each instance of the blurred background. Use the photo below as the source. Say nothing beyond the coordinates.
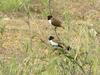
(24, 31)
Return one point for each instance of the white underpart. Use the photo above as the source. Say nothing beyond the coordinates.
(49, 21)
(53, 43)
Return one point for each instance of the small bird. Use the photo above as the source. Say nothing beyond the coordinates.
(54, 43)
(54, 22)
(57, 44)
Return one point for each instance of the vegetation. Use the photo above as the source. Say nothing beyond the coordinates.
(24, 48)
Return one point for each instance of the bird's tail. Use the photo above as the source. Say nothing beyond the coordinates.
(60, 46)
(68, 48)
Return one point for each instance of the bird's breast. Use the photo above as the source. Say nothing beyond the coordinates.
(53, 43)
(49, 21)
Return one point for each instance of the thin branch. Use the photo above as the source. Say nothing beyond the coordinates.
(49, 6)
(57, 34)
(66, 47)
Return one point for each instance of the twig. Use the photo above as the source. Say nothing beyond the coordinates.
(66, 47)
(49, 6)
(57, 34)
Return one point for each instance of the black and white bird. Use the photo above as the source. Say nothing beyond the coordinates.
(54, 43)
(57, 44)
(55, 22)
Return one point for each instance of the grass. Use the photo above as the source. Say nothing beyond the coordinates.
(2, 30)
(31, 56)
(12, 5)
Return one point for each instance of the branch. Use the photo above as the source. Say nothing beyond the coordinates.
(49, 6)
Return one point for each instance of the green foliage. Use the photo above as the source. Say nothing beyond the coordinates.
(8, 68)
(11, 5)
(45, 2)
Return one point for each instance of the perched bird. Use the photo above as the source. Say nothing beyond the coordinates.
(54, 43)
(57, 44)
(54, 22)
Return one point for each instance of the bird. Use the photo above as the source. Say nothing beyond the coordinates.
(54, 43)
(57, 44)
(53, 21)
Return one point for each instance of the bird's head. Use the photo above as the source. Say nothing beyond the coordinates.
(50, 38)
(49, 17)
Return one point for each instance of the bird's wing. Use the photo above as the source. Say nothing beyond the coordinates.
(59, 43)
(56, 22)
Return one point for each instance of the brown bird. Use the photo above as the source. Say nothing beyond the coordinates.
(54, 22)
